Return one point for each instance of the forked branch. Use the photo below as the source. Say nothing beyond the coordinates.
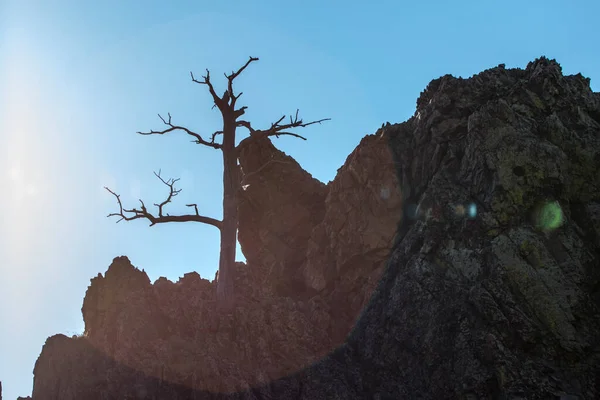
(230, 79)
(172, 127)
(277, 128)
(225, 103)
(172, 192)
(143, 213)
(206, 81)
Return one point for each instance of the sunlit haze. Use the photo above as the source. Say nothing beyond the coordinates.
(79, 78)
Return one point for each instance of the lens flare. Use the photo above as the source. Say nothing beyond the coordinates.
(459, 210)
(472, 212)
(549, 216)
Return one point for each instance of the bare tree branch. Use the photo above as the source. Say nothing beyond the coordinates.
(230, 79)
(225, 103)
(172, 192)
(143, 213)
(277, 128)
(199, 139)
(206, 81)
(195, 207)
(214, 135)
(277, 134)
(247, 125)
(234, 75)
(239, 112)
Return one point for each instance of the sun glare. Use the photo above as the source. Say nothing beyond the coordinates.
(22, 185)
(24, 122)
(14, 173)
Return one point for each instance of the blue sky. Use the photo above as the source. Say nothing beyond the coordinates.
(79, 78)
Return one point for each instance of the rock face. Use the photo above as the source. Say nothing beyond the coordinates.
(348, 249)
(490, 288)
(280, 204)
(503, 305)
(163, 331)
(308, 239)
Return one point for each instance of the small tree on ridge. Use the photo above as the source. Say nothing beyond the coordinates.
(227, 227)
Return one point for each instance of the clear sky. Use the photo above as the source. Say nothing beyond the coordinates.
(79, 78)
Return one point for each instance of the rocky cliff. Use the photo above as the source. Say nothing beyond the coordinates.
(454, 256)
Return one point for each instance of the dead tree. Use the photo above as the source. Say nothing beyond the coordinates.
(226, 104)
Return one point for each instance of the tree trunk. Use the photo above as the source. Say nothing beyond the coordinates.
(225, 290)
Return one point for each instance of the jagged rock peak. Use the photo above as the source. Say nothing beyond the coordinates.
(495, 82)
(121, 269)
(120, 282)
(538, 100)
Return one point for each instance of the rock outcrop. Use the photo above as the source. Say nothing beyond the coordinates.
(503, 304)
(308, 239)
(454, 256)
(348, 249)
(280, 204)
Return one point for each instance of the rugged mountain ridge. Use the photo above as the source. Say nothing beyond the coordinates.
(455, 255)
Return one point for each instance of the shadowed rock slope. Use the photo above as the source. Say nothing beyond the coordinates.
(454, 256)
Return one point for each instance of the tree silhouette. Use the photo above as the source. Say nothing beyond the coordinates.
(226, 104)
